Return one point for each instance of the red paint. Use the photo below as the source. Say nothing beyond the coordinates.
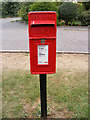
(42, 25)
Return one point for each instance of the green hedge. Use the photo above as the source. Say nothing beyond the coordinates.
(68, 11)
(37, 6)
(84, 17)
(9, 9)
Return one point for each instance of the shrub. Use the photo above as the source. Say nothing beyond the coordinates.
(44, 6)
(58, 3)
(9, 9)
(84, 17)
(75, 22)
(62, 22)
(68, 11)
(87, 5)
(23, 12)
(38, 6)
(81, 7)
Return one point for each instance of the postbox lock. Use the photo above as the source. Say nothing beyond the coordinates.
(42, 40)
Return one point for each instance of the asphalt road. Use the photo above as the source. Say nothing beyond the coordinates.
(15, 37)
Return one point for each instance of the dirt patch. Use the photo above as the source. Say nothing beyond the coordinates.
(63, 61)
(72, 61)
(16, 61)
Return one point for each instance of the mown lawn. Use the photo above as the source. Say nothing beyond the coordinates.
(67, 94)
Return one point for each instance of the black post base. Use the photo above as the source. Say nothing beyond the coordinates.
(43, 94)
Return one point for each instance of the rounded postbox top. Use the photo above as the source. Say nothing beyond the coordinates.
(42, 12)
(42, 24)
(42, 15)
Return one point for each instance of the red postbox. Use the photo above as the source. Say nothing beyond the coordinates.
(42, 42)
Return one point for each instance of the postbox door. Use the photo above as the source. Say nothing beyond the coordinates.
(43, 57)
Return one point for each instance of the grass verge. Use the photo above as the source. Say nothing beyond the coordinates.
(67, 94)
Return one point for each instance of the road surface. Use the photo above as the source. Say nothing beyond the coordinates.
(15, 37)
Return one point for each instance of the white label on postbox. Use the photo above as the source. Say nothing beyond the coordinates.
(42, 54)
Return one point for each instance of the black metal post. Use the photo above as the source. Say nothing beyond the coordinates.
(43, 95)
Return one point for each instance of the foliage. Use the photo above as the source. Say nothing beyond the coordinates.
(58, 3)
(9, 9)
(38, 6)
(23, 12)
(68, 11)
(74, 22)
(62, 22)
(81, 7)
(84, 17)
(87, 5)
(26, 3)
(44, 6)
